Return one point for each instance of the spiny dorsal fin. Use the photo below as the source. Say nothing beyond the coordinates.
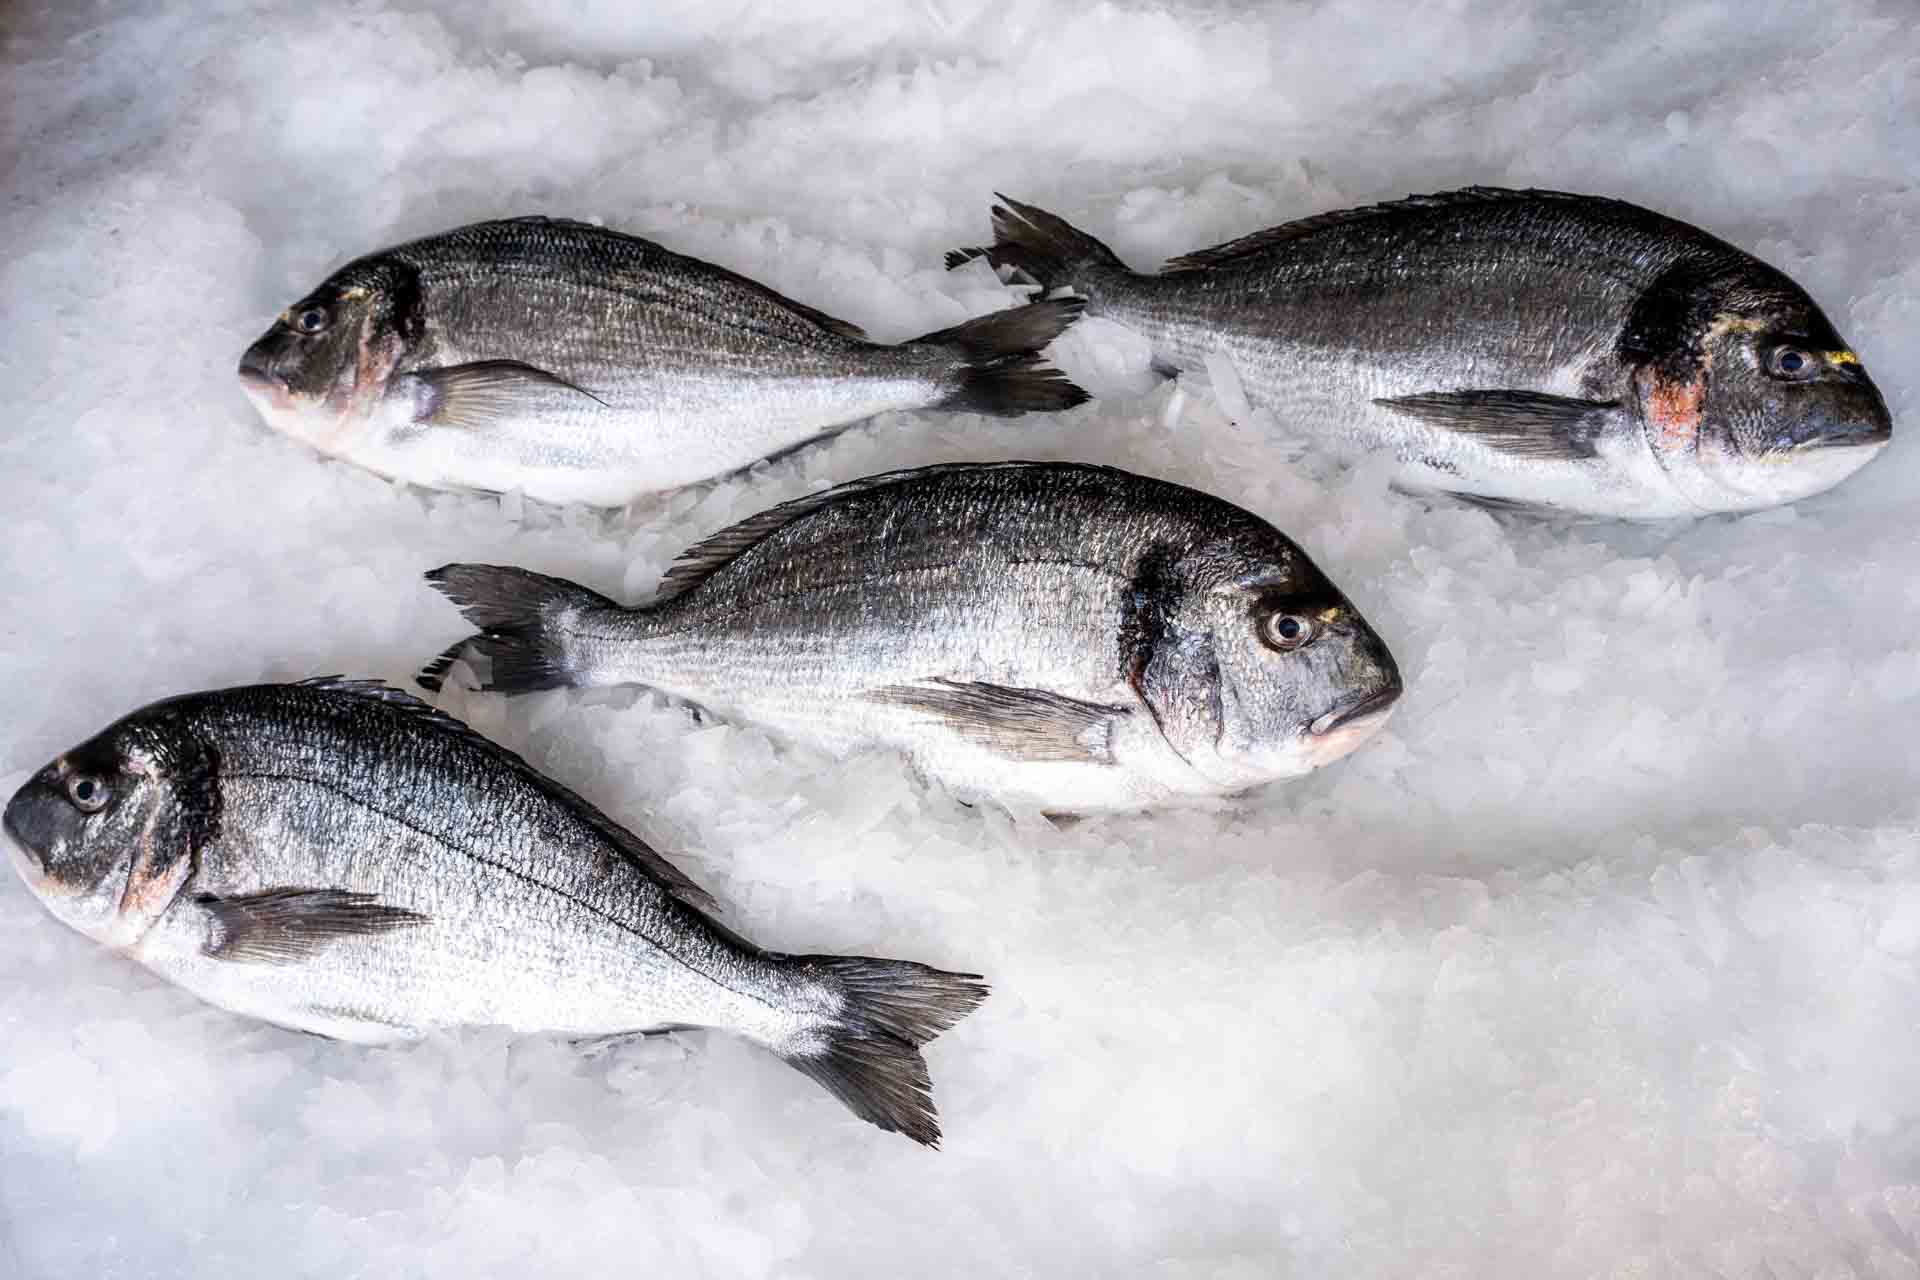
(1232, 251)
(631, 846)
(543, 220)
(704, 558)
(378, 691)
(814, 314)
(832, 324)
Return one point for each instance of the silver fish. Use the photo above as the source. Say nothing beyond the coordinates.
(577, 364)
(1069, 637)
(1521, 349)
(339, 857)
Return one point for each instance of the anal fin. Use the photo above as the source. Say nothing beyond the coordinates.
(1525, 424)
(284, 926)
(1021, 724)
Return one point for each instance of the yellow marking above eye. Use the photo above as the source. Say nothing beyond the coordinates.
(1842, 357)
(1731, 322)
(1330, 614)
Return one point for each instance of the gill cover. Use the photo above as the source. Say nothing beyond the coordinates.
(182, 818)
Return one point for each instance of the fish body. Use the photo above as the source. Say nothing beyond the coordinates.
(578, 364)
(1069, 637)
(1527, 349)
(340, 858)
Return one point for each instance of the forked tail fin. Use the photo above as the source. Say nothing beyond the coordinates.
(1049, 250)
(1002, 371)
(523, 617)
(867, 1054)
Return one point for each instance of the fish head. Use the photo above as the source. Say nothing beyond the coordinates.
(108, 834)
(1264, 670)
(325, 366)
(1757, 400)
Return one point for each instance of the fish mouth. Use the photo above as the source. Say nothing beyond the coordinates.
(25, 861)
(1375, 705)
(259, 380)
(1852, 435)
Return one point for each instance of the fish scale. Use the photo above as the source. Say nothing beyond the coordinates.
(575, 363)
(1528, 349)
(987, 621)
(338, 857)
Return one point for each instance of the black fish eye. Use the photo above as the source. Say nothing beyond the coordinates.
(88, 793)
(1791, 363)
(312, 320)
(1286, 631)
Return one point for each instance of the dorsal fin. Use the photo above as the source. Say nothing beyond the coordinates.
(631, 846)
(844, 328)
(814, 314)
(379, 691)
(543, 220)
(1259, 241)
(701, 560)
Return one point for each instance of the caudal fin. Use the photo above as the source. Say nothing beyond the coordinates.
(1003, 372)
(1051, 251)
(522, 618)
(868, 1052)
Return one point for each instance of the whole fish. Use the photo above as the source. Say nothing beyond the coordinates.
(339, 857)
(1522, 349)
(577, 364)
(1069, 637)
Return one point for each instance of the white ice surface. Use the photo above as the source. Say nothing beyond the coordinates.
(1603, 960)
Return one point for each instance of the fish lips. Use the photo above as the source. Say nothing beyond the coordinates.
(1864, 433)
(1342, 730)
(1369, 712)
(1855, 416)
(25, 827)
(258, 376)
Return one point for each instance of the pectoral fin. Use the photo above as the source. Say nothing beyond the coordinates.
(282, 926)
(490, 391)
(1021, 724)
(1526, 424)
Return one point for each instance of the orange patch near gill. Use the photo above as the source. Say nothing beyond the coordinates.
(1673, 407)
(378, 357)
(153, 881)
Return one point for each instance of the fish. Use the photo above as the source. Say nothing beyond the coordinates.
(1531, 351)
(577, 364)
(339, 857)
(1059, 636)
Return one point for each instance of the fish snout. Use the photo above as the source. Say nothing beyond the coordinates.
(1374, 706)
(30, 825)
(262, 370)
(1852, 415)
(1869, 430)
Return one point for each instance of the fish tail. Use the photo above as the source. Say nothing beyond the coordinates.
(523, 619)
(1047, 249)
(1001, 369)
(867, 1054)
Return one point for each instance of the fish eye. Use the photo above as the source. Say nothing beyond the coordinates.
(313, 319)
(1791, 364)
(88, 793)
(1286, 631)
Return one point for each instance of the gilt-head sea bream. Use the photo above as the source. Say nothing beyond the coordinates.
(577, 364)
(338, 857)
(1523, 349)
(1069, 637)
